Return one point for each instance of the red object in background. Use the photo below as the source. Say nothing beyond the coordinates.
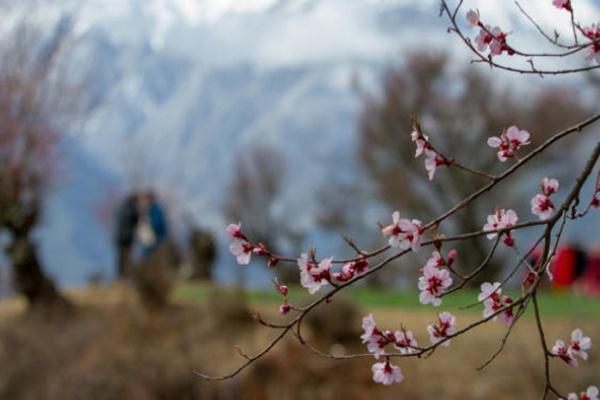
(563, 267)
(591, 277)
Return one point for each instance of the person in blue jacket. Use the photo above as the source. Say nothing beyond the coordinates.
(152, 226)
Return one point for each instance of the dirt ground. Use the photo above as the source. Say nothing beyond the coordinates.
(114, 349)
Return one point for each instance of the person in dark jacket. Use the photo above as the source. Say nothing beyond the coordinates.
(127, 220)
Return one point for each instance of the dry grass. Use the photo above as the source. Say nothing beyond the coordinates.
(113, 349)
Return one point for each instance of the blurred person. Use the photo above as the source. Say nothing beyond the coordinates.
(127, 221)
(151, 229)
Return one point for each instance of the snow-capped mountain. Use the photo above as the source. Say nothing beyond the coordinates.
(189, 84)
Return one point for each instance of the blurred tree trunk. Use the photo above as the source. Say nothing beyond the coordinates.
(29, 276)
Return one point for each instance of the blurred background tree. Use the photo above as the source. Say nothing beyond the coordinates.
(257, 183)
(451, 103)
(39, 95)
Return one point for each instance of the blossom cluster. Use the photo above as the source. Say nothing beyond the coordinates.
(433, 159)
(509, 142)
(577, 348)
(240, 247)
(541, 205)
(314, 275)
(493, 301)
(403, 233)
(563, 5)
(435, 280)
(591, 393)
(593, 33)
(501, 219)
(494, 38)
(285, 307)
(351, 269)
(377, 340)
(442, 329)
(403, 341)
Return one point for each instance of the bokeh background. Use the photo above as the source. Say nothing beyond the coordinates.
(293, 117)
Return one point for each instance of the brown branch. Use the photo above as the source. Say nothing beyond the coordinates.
(481, 58)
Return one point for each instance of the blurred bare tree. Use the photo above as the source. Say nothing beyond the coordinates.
(37, 95)
(258, 180)
(458, 110)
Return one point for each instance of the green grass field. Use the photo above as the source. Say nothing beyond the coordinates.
(551, 304)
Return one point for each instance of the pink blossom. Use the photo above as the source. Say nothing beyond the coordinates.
(280, 288)
(242, 250)
(452, 254)
(498, 44)
(432, 161)
(240, 247)
(501, 219)
(549, 186)
(437, 260)
(351, 269)
(445, 327)
(284, 308)
(369, 328)
(432, 284)
(529, 279)
(564, 353)
(590, 394)
(542, 206)
(235, 231)
(509, 218)
(593, 32)
(359, 266)
(562, 4)
(260, 249)
(509, 142)
(507, 316)
(376, 345)
(495, 38)
(483, 39)
(386, 373)
(488, 290)
(403, 232)
(490, 296)
(492, 302)
(313, 276)
(420, 140)
(473, 17)
(579, 344)
(375, 339)
(405, 342)
(593, 51)
(432, 158)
